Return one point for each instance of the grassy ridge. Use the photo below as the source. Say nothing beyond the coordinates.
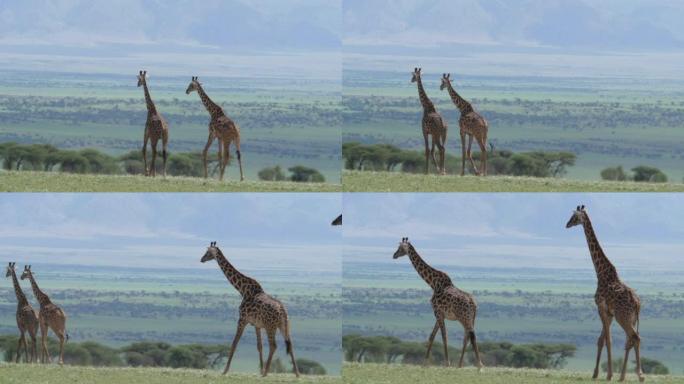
(399, 374)
(65, 182)
(356, 181)
(12, 373)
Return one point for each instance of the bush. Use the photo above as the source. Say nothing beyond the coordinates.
(303, 174)
(271, 174)
(614, 174)
(310, 367)
(644, 173)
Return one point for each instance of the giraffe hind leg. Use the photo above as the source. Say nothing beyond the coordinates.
(272, 346)
(290, 348)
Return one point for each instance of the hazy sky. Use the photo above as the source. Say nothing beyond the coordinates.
(265, 37)
(171, 230)
(516, 230)
(586, 24)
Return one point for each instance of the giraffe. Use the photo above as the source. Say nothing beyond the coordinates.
(221, 127)
(258, 309)
(448, 303)
(50, 316)
(27, 319)
(613, 299)
(472, 124)
(337, 221)
(155, 128)
(432, 124)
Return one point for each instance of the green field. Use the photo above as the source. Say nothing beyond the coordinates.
(29, 181)
(399, 374)
(282, 122)
(16, 374)
(606, 122)
(366, 181)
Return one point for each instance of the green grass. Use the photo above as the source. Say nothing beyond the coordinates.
(65, 182)
(399, 374)
(356, 181)
(12, 373)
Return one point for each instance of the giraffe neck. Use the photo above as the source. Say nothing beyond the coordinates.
(460, 102)
(428, 107)
(605, 270)
(151, 108)
(244, 284)
(42, 298)
(436, 279)
(21, 298)
(213, 109)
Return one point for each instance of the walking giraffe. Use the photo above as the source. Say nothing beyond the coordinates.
(432, 124)
(155, 128)
(472, 124)
(613, 299)
(448, 302)
(27, 319)
(221, 127)
(50, 316)
(258, 309)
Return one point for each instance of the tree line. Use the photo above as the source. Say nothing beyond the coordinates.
(149, 354)
(390, 350)
(386, 157)
(48, 158)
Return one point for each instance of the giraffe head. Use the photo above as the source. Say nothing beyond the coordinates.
(579, 216)
(211, 253)
(403, 248)
(446, 81)
(10, 269)
(142, 78)
(193, 86)
(416, 74)
(27, 272)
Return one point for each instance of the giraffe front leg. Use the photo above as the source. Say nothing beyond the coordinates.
(463, 153)
(165, 154)
(483, 159)
(470, 155)
(20, 342)
(427, 152)
(272, 346)
(260, 348)
(430, 341)
(442, 327)
(45, 354)
(144, 152)
(236, 339)
(210, 140)
(153, 164)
